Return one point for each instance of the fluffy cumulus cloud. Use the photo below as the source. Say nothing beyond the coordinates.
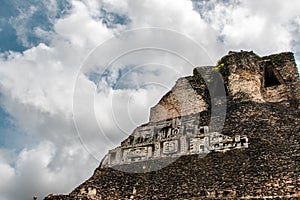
(83, 63)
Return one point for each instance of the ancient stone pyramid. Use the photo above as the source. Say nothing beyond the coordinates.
(182, 153)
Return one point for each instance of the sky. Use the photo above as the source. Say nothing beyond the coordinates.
(77, 76)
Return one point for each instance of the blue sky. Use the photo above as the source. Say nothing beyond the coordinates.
(50, 49)
(10, 18)
(8, 33)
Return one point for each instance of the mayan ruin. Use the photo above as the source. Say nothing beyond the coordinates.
(255, 155)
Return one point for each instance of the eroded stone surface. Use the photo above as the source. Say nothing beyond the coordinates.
(175, 121)
(171, 138)
(268, 167)
(271, 78)
(180, 101)
(263, 96)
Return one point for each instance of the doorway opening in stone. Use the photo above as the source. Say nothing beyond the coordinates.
(272, 77)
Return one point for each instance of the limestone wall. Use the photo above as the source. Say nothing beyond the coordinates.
(249, 77)
(180, 101)
(171, 138)
(268, 168)
(263, 98)
(176, 119)
(285, 64)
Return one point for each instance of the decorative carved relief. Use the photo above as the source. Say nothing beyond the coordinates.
(171, 140)
(138, 153)
(170, 147)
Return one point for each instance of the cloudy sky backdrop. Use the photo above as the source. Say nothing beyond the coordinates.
(62, 107)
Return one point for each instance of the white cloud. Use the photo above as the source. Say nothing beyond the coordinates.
(37, 85)
(88, 30)
(36, 172)
(7, 173)
(20, 24)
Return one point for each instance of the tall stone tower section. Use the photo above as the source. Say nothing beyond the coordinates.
(249, 77)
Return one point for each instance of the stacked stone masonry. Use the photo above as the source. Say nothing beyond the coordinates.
(171, 138)
(255, 156)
